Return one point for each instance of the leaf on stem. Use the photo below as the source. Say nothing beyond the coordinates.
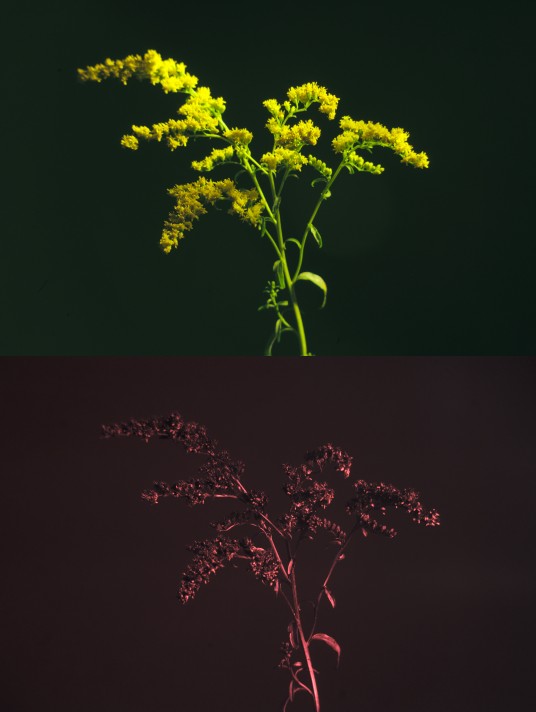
(319, 180)
(316, 234)
(292, 692)
(292, 635)
(330, 596)
(275, 337)
(329, 641)
(315, 279)
(278, 269)
(293, 239)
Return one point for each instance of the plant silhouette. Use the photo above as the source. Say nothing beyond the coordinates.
(276, 563)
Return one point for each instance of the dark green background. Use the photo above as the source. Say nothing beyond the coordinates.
(417, 262)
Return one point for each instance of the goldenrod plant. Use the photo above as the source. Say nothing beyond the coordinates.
(260, 202)
(273, 552)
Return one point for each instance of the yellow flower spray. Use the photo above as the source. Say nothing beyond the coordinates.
(200, 116)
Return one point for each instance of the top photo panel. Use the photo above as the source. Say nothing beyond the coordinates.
(247, 180)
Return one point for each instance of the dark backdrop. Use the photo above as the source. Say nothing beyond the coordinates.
(417, 262)
(438, 618)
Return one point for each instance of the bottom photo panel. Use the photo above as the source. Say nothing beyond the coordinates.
(268, 535)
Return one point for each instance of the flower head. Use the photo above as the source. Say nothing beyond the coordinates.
(296, 136)
(309, 93)
(361, 134)
(191, 196)
(238, 136)
(217, 156)
(211, 555)
(376, 497)
(284, 157)
(171, 75)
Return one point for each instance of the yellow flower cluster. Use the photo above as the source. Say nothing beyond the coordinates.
(238, 136)
(189, 206)
(218, 155)
(294, 137)
(171, 75)
(308, 93)
(359, 163)
(129, 141)
(283, 156)
(202, 112)
(320, 166)
(275, 108)
(361, 134)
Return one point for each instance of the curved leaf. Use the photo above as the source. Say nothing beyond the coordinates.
(317, 180)
(316, 234)
(292, 635)
(329, 641)
(275, 337)
(278, 269)
(239, 173)
(315, 279)
(330, 596)
(293, 239)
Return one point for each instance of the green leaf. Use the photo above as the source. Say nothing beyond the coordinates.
(318, 180)
(275, 337)
(239, 173)
(296, 242)
(315, 279)
(316, 234)
(278, 269)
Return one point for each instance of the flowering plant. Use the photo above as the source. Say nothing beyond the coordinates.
(276, 562)
(260, 203)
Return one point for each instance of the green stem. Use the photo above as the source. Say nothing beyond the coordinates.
(289, 282)
(313, 216)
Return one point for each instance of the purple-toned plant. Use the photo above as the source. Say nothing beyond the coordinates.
(275, 563)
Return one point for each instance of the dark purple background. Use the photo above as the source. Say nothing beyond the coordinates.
(437, 619)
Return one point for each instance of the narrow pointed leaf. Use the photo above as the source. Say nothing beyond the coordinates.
(292, 635)
(275, 337)
(316, 234)
(330, 596)
(329, 641)
(278, 269)
(293, 239)
(318, 180)
(315, 279)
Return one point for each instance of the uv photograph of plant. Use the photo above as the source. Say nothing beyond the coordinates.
(374, 161)
(277, 581)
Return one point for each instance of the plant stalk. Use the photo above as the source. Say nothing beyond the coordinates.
(303, 641)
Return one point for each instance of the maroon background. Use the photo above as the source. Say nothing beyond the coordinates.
(436, 619)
